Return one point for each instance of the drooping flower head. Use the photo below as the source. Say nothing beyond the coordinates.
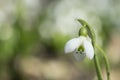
(80, 46)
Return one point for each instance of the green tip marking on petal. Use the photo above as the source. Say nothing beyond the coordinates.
(81, 48)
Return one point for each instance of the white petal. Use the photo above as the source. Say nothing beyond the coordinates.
(89, 50)
(72, 44)
(79, 56)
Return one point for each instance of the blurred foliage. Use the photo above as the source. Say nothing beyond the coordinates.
(41, 28)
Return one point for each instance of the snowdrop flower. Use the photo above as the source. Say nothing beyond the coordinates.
(80, 47)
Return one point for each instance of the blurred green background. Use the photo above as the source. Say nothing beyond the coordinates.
(33, 34)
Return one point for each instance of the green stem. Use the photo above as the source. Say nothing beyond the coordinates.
(91, 34)
(97, 66)
(106, 61)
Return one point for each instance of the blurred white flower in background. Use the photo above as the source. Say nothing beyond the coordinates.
(67, 23)
(66, 12)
